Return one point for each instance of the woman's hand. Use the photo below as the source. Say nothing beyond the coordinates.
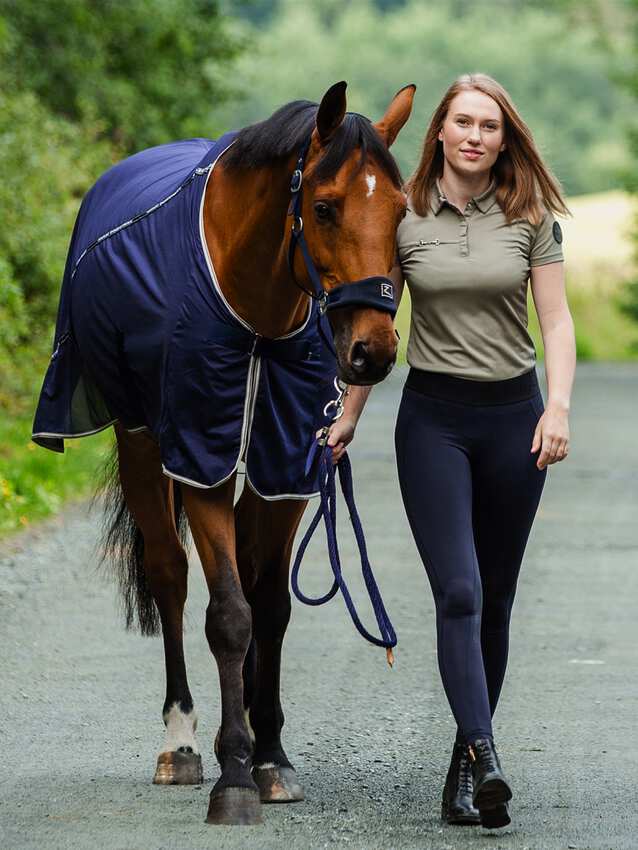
(551, 437)
(340, 435)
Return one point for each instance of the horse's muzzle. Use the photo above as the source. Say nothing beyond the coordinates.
(366, 363)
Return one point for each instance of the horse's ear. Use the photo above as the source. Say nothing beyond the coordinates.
(396, 114)
(331, 111)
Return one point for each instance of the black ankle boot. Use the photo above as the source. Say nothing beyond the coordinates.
(456, 805)
(491, 788)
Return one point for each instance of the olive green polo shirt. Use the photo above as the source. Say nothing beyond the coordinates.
(467, 273)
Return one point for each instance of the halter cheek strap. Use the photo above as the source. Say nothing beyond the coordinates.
(375, 292)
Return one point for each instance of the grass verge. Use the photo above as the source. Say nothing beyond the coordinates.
(35, 482)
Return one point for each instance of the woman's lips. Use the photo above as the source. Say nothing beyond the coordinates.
(471, 154)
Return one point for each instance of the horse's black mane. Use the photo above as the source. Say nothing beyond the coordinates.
(283, 134)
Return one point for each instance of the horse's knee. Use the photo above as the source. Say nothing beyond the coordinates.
(228, 623)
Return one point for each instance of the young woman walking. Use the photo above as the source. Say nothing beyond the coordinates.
(473, 439)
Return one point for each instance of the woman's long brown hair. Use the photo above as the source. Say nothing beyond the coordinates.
(525, 187)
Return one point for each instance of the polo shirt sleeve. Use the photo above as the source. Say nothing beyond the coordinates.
(401, 233)
(547, 238)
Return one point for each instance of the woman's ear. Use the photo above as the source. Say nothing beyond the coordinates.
(440, 136)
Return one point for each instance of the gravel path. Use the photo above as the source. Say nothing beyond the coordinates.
(80, 706)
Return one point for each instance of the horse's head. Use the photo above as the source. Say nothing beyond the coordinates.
(352, 205)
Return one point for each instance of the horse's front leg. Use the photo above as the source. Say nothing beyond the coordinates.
(265, 532)
(235, 796)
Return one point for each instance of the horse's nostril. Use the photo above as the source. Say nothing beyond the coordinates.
(359, 358)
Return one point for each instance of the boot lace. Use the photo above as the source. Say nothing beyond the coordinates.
(465, 780)
(484, 754)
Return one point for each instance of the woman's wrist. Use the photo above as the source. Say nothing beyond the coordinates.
(558, 405)
(354, 403)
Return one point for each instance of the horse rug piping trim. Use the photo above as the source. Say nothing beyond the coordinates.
(145, 336)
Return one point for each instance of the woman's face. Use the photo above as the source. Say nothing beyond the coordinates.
(472, 133)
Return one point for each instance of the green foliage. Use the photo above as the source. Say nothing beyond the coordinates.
(557, 71)
(629, 298)
(81, 83)
(46, 164)
(35, 483)
(145, 71)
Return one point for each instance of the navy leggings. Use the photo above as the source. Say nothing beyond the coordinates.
(470, 488)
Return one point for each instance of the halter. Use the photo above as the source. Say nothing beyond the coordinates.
(376, 292)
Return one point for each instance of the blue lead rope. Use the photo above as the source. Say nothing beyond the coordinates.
(328, 510)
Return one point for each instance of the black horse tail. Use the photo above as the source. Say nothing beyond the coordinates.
(122, 547)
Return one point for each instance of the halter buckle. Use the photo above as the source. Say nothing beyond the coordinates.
(297, 225)
(296, 180)
(322, 301)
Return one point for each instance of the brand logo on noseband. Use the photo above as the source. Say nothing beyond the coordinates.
(387, 290)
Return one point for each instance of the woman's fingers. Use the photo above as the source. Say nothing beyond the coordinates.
(536, 442)
(337, 451)
(554, 450)
(563, 451)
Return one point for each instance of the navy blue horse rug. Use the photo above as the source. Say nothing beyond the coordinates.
(144, 336)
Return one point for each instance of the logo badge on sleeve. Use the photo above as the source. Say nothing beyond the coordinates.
(557, 232)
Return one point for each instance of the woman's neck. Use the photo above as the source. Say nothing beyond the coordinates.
(459, 189)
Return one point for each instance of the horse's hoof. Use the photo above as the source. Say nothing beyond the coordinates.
(234, 806)
(277, 784)
(178, 769)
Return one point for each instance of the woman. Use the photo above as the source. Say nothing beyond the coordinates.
(472, 438)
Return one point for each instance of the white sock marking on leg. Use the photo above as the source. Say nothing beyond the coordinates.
(180, 729)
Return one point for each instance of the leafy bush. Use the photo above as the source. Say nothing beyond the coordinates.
(46, 165)
(148, 71)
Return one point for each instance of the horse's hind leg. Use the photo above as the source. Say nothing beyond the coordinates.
(149, 498)
(265, 532)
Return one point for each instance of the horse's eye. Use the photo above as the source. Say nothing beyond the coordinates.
(323, 211)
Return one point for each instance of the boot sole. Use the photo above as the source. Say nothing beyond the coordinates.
(496, 817)
(460, 819)
(490, 800)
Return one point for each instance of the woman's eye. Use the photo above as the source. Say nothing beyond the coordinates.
(322, 211)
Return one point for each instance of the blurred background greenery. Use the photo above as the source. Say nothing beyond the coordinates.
(85, 82)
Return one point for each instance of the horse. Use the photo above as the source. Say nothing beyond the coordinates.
(136, 364)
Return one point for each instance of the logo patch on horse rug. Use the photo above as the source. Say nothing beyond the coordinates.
(145, 336)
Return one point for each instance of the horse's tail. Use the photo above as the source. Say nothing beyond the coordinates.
(122, 547)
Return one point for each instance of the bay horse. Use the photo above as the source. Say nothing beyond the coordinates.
(110, 365)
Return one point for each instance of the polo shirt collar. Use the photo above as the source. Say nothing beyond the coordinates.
(486, 199)
(483, 202)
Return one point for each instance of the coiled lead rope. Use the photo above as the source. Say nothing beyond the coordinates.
(328, 511)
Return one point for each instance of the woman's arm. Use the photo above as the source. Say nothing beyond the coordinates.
(557, 329)
(342, 431)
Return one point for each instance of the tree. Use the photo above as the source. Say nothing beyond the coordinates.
(552, 62)
(145, 71)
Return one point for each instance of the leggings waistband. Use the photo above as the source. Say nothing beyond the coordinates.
(451, 388)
